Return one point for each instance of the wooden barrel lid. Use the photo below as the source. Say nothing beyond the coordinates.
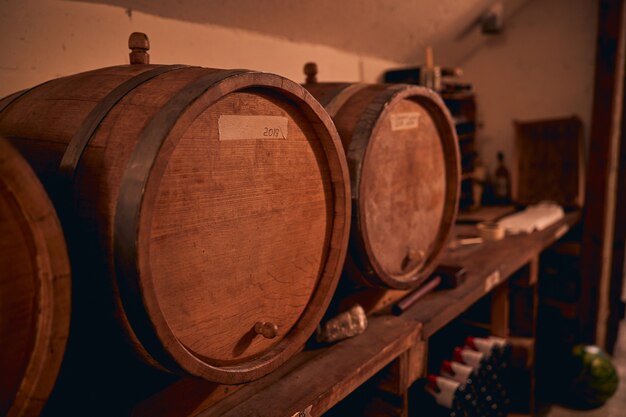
(408, 188)
(241, 230)
(34, 289)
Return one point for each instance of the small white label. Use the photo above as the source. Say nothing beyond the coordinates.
(404, 121)
(234, 127)
(492, 280)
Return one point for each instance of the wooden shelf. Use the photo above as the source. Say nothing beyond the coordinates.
(488, 265)
(315, 380)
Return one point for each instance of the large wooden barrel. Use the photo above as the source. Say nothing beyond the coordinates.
(219, 199)
(34, 289)
(403, 156)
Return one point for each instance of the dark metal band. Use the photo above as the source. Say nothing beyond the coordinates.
(82, 137)
(127, 212)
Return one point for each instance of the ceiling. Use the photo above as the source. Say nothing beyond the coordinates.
(396, 30)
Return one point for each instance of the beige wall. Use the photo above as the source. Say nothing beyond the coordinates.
(45, 39)
(541, 66)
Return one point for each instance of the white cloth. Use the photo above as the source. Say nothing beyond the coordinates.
(535, 217)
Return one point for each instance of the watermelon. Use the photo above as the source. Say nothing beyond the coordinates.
(594, 377)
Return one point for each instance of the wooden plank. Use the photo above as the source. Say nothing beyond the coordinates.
(189, 396)
(396, 378)
(334, 373)
(418, 356)
(606, 101)
(390, 398)
(500, 311)
(619, 240)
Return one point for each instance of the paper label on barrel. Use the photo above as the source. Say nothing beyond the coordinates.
(404, 121)
(236, 127)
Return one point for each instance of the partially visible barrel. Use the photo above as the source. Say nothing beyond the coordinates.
(34, 289)
(219, 200)
(403, 156)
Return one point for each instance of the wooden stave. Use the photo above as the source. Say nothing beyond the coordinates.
(335, 256)
(356, 125)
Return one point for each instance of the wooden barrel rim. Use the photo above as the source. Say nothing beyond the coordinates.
(137, 296)
(367, 128)
(54, 291)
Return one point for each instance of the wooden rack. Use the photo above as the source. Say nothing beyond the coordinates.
(392, 354)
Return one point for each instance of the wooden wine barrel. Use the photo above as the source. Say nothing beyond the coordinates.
(403, 156)
(34, 289)
(220, 199)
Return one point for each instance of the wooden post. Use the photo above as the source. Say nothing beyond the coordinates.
(599, 218)
(500, 311)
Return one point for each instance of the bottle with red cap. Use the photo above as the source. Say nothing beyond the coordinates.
(497, 354)
(496, 348)
(451, 396)
(463, 374)
(489, 404)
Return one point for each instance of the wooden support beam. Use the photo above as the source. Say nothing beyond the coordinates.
(500, 311)
(599, 216)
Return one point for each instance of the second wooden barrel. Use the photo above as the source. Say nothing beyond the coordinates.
(219, 200)
(403, 156)
(34, 289)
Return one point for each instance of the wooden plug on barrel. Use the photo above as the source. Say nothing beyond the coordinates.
(139, 45)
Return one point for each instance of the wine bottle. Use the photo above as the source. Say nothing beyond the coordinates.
(451, 396)
(457, 371)
(502, 182)
(487, 392)
(497, 352)
(494, 347)
(465, 375)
